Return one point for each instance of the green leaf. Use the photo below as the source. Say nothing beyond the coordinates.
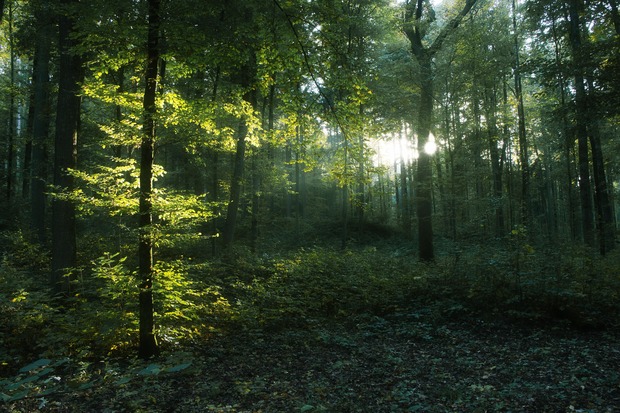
(46, 392)
(123, 380)
(86, 386)
(19, 396)
(60, 362)
(45, 371)
(35, 365)
(178, 367)
(307, 408)
(150, 370)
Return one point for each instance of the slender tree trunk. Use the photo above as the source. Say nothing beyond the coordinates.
(235, 187)
(523, 149)
(255, 201)
(148, 342)
(302, 190)
(41, 120)
(247, 78)
(397, 197)
(361, 196)
(118, 110)
(215, 184)
(604, 210)
(11, 131)
(288, 157)
(27, 166)
(585, 189)
(215, 196)
(65, 156)
(568, 136)
(345, 194)
(496, 166)
(404, 195)
(298, 133)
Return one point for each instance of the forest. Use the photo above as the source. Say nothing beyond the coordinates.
(309, 206)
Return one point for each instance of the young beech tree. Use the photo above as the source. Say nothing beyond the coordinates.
(148, 342)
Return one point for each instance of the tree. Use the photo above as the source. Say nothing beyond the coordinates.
(244, 77)
(416, 29)
(148, 343)
(523, 147)
(70, 75)
(585, 191)
(10, 178)
(41, 118)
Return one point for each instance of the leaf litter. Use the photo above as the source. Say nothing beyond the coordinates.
(366, 363)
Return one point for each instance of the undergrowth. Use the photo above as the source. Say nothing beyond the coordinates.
(197, 298)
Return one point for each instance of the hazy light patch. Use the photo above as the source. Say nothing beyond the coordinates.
(431, 146)
(392, 150)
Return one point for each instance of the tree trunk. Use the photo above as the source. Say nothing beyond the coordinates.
(148, 343)
(523, 150)
(11, 126)
(496, 166)
(246, 81)
(425, 173)
(404, 196)
(585, 190)
(255, 201)
(604, 210)
(65, 153)
(567, 135)
(345, 194)
(235, 186)
(27, 166)
(41, 121)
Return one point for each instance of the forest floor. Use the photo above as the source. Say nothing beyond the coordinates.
(320, 330)
(408, 361)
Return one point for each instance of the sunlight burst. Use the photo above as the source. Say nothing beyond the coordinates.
(430, 147)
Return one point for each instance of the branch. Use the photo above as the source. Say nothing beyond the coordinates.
(306, 57)
(450, 27)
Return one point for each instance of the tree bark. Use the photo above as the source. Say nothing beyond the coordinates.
(246, 81)
(11, 126)
(585, 189)
(41, 121)
(604, 210)
(424, 207)
(148, 342)
(523, 149)
(27, 165)
(65, 156)
(496, 166)
(568, 137)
